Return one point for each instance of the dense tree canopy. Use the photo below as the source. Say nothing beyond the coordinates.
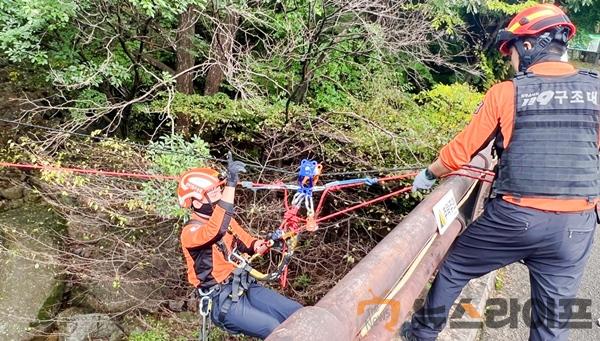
(102, 56)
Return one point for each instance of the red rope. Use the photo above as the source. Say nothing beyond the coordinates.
(480, 177)
(363, 204)
(479, 170)
(88, 171)
(292, 221)
(397, 177)
(336, 188)
(331, 189)
(483, 173)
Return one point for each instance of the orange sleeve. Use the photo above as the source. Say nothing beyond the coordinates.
(214, 229)
(244, 237)
(480, 131)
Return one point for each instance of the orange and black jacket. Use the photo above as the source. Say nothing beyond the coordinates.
(205, 260)
(495, 119)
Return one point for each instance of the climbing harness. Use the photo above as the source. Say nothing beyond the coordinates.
(284, 243)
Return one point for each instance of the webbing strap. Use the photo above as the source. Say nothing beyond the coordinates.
(571, 164)
(221, 246)
(534, 191)
(558, 135)
(546, 124)
(226, 305)
(589, 72)
(240, 282)
(544, 177)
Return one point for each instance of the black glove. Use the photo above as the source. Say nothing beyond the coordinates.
(234, 168)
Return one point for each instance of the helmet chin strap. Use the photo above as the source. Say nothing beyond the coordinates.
(538, 51)
(206, 209)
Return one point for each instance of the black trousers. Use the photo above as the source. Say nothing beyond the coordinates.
(554, 246)
(258, 311)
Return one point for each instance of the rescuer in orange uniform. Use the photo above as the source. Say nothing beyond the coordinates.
(238, 303)
(545, 123)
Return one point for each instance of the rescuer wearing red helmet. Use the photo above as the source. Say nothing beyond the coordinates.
(545, 128)
(234, 301)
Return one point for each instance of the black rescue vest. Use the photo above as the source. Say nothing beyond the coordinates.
(553, 151)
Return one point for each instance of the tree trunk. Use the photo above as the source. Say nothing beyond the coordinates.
(185, 57)
(220, 50)
(185, 61)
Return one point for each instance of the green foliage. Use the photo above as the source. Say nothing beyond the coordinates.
(448, 108)
(171, 155)
(166, 330)
(88, 100)
(93, 73)
(395, 128)
(506, 8)
(52, 302)
(345, 78)
(217, 113)
(336, 82)
(166, 8)
(302, 281)
(494, 69)
(216, 333)
(449, 15)
(579, 5)
(446, 14)
(500, 279)
(489, 75)
(158, 333)
(585, 15)
(26, 24)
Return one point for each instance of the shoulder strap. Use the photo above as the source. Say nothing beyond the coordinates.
(523, 74)
(589, 72)
(218, 243)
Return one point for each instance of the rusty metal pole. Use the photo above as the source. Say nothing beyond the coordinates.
(339, 315)
(387, 324)
(385, 329)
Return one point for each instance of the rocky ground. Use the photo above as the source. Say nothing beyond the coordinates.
(30, 289)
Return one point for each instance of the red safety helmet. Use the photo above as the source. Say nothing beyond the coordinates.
(532, 22)
(202, 184)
